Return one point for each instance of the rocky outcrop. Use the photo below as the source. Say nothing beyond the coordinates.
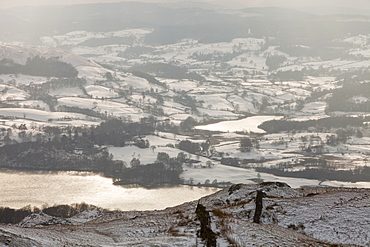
(205, 231)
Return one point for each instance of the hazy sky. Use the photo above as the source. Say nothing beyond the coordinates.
(360, 4)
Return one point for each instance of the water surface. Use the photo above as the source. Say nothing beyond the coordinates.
(19, 189)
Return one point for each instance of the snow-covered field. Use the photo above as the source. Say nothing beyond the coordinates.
(103, 106)
(101, 92)
(249, 124)
(41, 116)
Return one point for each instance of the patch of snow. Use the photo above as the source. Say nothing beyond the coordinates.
(249, 124)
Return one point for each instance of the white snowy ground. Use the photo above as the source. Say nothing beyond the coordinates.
(103, 106)
(11, 93)
(76, 37)
(39, 115)
(22, 79)
(67, 92)
(249, 124)
(237, 175)
(34, 104)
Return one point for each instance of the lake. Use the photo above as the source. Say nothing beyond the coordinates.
(19, 189)
(249, 124)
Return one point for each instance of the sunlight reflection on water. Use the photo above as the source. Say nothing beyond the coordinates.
(19, 189)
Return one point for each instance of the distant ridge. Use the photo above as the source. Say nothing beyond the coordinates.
(329, 10)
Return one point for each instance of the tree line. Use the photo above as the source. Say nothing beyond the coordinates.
(341, 99)
(165, 170)
(39, 66)
(276, 126)
(360, 174)
(58, 155)
(15, 216)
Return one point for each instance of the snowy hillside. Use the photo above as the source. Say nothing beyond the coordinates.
(20, 55)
